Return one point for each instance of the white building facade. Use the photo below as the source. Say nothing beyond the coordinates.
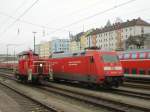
(115, 36)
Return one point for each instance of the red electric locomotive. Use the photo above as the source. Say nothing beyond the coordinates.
(32, 68)
(136, 63)
(90, 66)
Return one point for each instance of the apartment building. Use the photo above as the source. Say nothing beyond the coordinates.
(60, 45)
(45, 49)
(114, 36)
(75, 42)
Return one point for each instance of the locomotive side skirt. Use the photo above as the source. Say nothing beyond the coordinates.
(77, 77)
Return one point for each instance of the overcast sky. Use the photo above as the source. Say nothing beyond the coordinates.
(53, 19)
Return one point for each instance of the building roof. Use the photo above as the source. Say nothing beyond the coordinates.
(26, 53)
(116, 26)
(77, 37)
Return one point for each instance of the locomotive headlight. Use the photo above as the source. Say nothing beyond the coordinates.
(41, 65)
(118, 68)
(107, 68)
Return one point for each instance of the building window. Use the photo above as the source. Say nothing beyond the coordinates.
(130, 29)
(142, 30)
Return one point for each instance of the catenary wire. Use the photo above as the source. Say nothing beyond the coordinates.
(14, 12)
(99, 13)
(17, 19)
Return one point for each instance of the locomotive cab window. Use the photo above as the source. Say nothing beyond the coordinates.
(35, 55)
(23, 57)
(19, 57)
(110, 58)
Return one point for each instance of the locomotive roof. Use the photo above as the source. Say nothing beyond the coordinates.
(68, 54)
(26, 53)
(134, 51)
(73, 54)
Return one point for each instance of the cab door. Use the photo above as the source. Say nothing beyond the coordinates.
(23, 64)
(92, 70)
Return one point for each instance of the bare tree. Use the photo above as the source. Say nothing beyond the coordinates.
(138, 41)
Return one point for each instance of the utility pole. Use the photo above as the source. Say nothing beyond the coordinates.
(7, 53)
(7, 48)
(89, 41)
(34, 39)
(83, 28)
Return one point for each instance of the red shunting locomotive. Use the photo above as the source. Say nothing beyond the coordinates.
(32, 68)
(90, 66)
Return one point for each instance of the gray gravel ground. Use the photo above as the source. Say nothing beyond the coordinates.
(8, 104)
(49, 99)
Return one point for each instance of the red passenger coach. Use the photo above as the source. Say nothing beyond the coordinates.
(91, 66)
(32, 68)
(136, 63)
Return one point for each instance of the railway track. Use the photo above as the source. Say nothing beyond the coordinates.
(9, 76)
(132, 93)
(26, 104)
(141, 84)
(97, 99)
(138, 78)
(128, 91)
(92, 98)
(137, 85)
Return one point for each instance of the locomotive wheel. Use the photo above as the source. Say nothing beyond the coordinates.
(106, 86)
(56, 80)
(36, 81)
(23, 80)
(17, 77)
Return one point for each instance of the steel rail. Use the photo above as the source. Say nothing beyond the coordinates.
(95, 100)
(48, 107)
